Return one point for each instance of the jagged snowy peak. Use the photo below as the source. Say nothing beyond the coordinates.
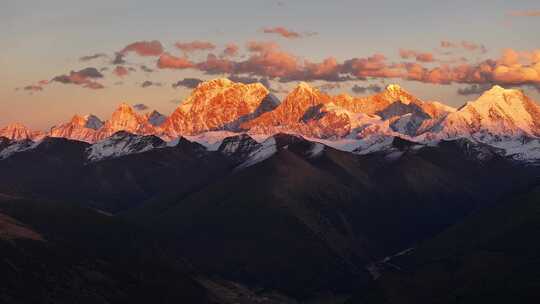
(289, 114)
(311, 113)
(217, 105)
(497, 115)
(155, 118)
(125, 119)
(81, 128)
(122, 143)
(220, 108)
(16, 131)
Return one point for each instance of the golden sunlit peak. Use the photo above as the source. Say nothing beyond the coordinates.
(124, 106)
(393, 88)
(304, 86)
(218, 81)
(497, 89)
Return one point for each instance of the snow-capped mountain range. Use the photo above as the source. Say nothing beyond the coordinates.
(505, 119)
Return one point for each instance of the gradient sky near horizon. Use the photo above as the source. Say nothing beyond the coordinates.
(41, 40)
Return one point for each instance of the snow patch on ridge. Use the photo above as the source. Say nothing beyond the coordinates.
(16, 147)
(268, 149)
(210, 140)
(316, 150)
(121, 144)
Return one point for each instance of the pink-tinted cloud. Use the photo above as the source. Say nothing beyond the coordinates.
(120, 71)
(93, 85)
(374, 66)
(33, 88)
(144, 48)
(267, 59)
(261, 46)
(526, 13)
(448, 44)
(168, 61)
(419, 56)
(189, 47)
(216, 65)
(231, 50)
(85, 78)
(282, 31)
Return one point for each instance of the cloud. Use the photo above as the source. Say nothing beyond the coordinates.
(146, 69)
(329, 86)
(168, 61)
(120, 71)
(119, 59)
(92, 57)
(261, 46)
(189, 47)
(282, 31)
(525, 13)
(374, 88)
(375, 66)
(267, 59)
(33, 88)
(466, 45)
(93, 85)
(471, 46)
(84, 78)
(474, 89)
(140, 107)
(249, 80)
(447, 44)
(190, 83)
(216, 65)
(148, 83)
(419, 56)
(231, 50)
(144, 48)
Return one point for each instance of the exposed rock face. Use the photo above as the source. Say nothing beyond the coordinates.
(16, 131)
(303, 100)
(218, 105)
(125, 119)
(82, 128)
(310, 112)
